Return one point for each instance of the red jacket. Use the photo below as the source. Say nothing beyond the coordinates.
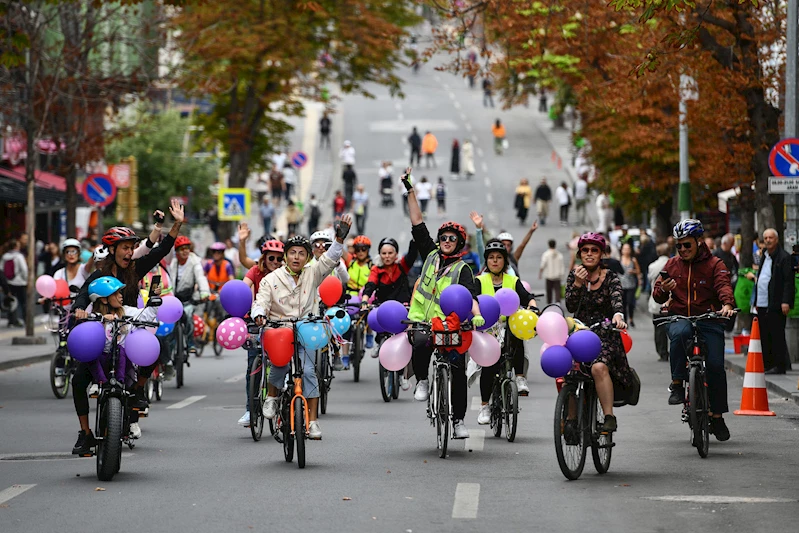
(703, 285)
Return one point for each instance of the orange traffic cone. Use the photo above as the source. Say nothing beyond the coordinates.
(754, 401)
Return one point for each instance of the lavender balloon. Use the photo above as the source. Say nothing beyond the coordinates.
(371, 319)
(556, 361)
(508, 301)
(456, 299)
(391, 314)
(236, 298)
(353, 304)
(142, 347)
(86, 341)
(171, 310)
(489, 310)
(584, 345)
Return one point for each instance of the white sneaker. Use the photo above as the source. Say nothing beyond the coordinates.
(405, 383)
(94, 390)
(484, 416)
(314, 431)
(59, 381)
(422, 391)
(135, 430)
(521, 385)
(375, 353)
(459, 430)
(270, 408)
(245, 419)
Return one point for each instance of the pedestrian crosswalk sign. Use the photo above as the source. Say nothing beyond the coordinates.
(234, 204)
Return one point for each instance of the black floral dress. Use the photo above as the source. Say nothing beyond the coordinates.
(594, 306)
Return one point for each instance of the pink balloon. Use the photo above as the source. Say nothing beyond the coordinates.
(396, 352)
(527, 287)
(543, 348)
(232, 333)
(553, 329)
(45, 285)
(485, 349)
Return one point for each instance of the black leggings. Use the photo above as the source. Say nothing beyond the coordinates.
(83, 378)
(628, 297)
(516, 347)
(421, 365)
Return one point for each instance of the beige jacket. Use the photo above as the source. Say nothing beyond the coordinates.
(280, 297)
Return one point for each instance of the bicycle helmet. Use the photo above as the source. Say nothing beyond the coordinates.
(592, 238)
(690, 227)
(362, 240)
(455, 228)
(495, 245)
(104, 287)
(118, 234)
(100, 253)
(505, 236)
(390, 242)
(70, 243)
(182, 240)
(322, 235)
(218, 247)
(272, 246)
(298, 240)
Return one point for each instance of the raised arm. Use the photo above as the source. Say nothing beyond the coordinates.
(414, 211)
(517, 253)
(244, 234)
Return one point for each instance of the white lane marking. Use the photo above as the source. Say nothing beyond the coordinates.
(476, 440)
(13, 491)
(467, 498)
(397, 106)
(484, 166)
(487, 182)
(437, 78)
(489, 198)
(480, 153)
(476, 403)
(468, 127)
(400, 116)
(493, 218)
(236, 378)
(451, 95)
(188, 401)
(463, 117)
(706, 498)
(456, 104)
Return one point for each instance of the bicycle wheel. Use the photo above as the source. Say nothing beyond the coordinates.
(323, 361)
(698, 411)
(256, 407)
(386, 382)
(495, 408)
(395, 386)
(59, 368)
(442, 377)
(510, 406)
(601, 444)
(355, 354)
(159, 388)
(569, 443)
(179, 362)
(285, 427)
(299, 430)
(109, 449)
(149, 389)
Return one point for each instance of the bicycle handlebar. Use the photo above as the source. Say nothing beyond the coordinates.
(96, 317)
(713, 315)
(465, 325)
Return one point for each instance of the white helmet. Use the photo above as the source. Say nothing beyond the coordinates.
(100, 253)
(70, 243)
(322, 235)
(505, 236)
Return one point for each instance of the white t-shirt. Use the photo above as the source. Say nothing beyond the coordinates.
(78, 280)
(580, 189)
(562, 195)
(424, 190)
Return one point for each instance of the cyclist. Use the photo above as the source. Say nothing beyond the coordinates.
(320, 242)
(74, 273)
(220, 270)
(442, 267)
(593, 294)
(291, 292)
(359, 270)
(697, 283)
(186, 271)
(494, 278)
(120, 243)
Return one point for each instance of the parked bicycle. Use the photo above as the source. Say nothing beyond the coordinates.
(62, 365)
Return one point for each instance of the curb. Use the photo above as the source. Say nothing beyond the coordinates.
(24, 361)
(770, 385)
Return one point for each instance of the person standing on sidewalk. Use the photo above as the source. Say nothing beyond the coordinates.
(267, 215)
(524, 197)
(350, 180)
(553, 270)
(416, 146)
(324, 131)
(661, 333)
(360, 205)
(564, 202)
(15, 269)
(543, 195)
(429, 147)
(467, 153)
(774, 296)
(581, 198)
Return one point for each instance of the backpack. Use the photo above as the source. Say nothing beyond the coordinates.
(10, 269)
(315, 214)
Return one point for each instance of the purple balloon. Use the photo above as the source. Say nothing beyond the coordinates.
(508, 301)
(236, 298)
(353, 304)
(584, 345)
(390, 314)
(456, 299)
(86, 341)
(556, 361)
(140, 302)
(489, 310)
(171, 310)
(371, 319)
(142, 347)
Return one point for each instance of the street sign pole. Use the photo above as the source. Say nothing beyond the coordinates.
(687, 92)
(791, 105)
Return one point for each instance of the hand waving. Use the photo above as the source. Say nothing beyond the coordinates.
(477, 219)
(244, 231)
(344, 226)
(176, 209)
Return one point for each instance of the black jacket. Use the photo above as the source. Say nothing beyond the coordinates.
(781, 288)
(426, 245)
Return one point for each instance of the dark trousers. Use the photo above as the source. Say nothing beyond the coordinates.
(325, 139)
(713, 336)
(349, 189)
(430, 157)
(20, 292)
(564, 213)
(662, 341)
(516, 347)
(416, 152)
(772, 338)
(553, 290)
(628, 297)
(421, 365)
(360, 223)
(521, 214)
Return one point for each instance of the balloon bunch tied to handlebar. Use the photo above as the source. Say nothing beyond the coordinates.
(568, 342)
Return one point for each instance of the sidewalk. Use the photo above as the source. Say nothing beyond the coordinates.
(785, 385)
(14, 356)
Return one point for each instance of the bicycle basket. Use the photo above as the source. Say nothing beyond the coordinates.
(445, 336)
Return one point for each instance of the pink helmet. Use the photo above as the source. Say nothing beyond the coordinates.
(592, 238)
(218, 246)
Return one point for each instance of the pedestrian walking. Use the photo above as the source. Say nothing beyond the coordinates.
(350, 180)
(498, 131)
(347, 154)
(773, 297)
(276, 185)
(488, 98)
(604, 213)
(647, 253)
(581, 198)
(455, 159)
(424, 192)
(267, 215)
(552, 270)
(416, 146)
(467, 153)
(213, 222)
(441, 196)
(324, 131)
(15, 269)
(289, 180)
(429, 146)
(293, 218)
(653, 272)
(630, 281)
(564, 202)
(524, 197)
(542, 102)
(314, 214)
(360, 205)
(543, 195)
(339, 205)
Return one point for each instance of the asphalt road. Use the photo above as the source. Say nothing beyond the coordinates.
(377, 468)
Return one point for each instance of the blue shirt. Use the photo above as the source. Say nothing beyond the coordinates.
(763, 280)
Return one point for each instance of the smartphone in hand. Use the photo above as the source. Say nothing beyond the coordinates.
(154, 298)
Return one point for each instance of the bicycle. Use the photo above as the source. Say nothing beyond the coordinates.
(357, 350)
(62, 365)
(213, 316)
(389, 379)
(579, 420)
(324, 372)
(504, 401)
(259, 384)
(696, 406)
(439, 404)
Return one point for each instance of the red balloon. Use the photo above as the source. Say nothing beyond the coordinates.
(199, 326)
(626, 340)
(330, 291)
(61, 289)
(279, 345)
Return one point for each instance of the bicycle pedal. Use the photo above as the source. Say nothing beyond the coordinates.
(90, 454)
(524, 394)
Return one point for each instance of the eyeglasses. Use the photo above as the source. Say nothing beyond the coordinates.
(448, 238)
(320, 244)
(686, 245)
(274, 258)
(71, 251)
(591, 250)
(361, 248)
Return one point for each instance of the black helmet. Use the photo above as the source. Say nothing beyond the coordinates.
(495, 245)
(298, 240)
(390, 242)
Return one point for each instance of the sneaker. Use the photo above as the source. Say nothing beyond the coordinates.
(521, 385)
(405, 383)
(345, 361)
(314, 431)
(570, 433)
(59, 381)
(169, 371)
(422, 391)
(375, 354)
(677, 395)
(459, 430)
(245, 419)
(135, 430)
(94, 390)
(84, 444)
(370, 341)
(270, 407)
(484, 416)
(192, 351)
(140, 402)
(609, 425)
(337, 365)
(719, 428)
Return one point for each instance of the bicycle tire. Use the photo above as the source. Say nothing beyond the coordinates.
(149, 390)
(385, 385)
(495, 408)
(511, 408)
(601, 444)
(60, 392)
(571, 457)
(256, 406)
(299, 431)
(285, 427)
(159, 388)
(442, 377)
(179, 362)
(109, 450)
(323, 362)
(395, 385)
(355, 354)
(217, 347)
(698, 412)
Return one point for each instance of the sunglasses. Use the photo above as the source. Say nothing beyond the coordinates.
(448, 238)
(274, 257)
(591, 250)
(71, 252)
(361, 248)
(686, 245)
(320, 244)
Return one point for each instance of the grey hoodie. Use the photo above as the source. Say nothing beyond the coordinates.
(20, 267)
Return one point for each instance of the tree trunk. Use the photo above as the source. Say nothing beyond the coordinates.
(240, 157)
(746, 205)
(663, 219)
(30, 220)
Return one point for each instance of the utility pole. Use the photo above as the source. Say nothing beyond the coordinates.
(687, 92)
(791, 130)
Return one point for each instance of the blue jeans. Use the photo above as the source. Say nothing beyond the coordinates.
(712, 334)
(252, 353)
(310, 384)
